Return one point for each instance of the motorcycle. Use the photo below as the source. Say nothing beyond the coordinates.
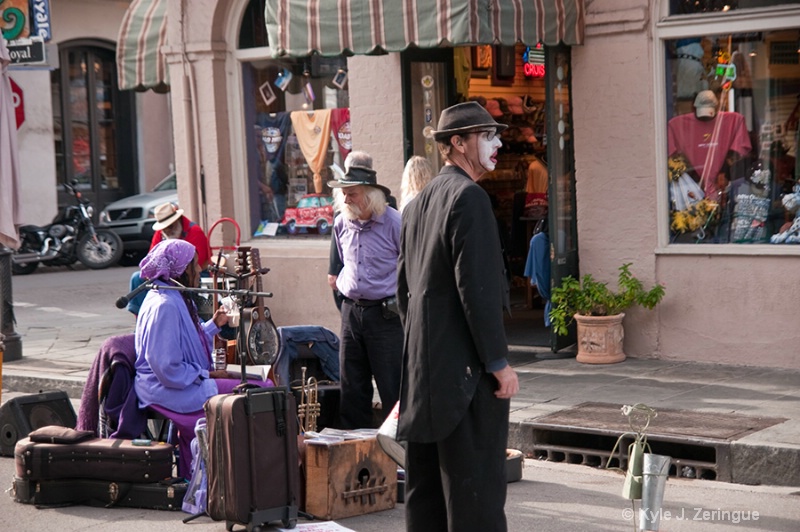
(71, 237)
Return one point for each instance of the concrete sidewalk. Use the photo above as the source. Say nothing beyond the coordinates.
(729, 423)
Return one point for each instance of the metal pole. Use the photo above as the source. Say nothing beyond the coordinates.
(13, 344)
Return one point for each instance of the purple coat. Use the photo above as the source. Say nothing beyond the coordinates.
(125, 418)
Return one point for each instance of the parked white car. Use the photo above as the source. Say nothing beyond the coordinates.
(132, 218)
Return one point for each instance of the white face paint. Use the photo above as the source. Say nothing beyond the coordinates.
(488, 143)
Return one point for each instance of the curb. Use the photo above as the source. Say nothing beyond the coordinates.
(22, 383)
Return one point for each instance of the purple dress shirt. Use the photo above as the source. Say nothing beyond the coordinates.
(172, 362)
(369, 251)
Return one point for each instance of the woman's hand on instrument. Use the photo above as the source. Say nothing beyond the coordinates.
(220, 317)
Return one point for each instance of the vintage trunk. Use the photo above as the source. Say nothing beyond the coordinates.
(349, 478)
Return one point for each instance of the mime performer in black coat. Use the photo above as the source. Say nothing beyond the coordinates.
(456, 383)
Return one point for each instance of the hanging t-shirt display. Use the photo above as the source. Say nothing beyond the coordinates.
(340, 125)
(706, 143)
(313, 131)
(275, 129)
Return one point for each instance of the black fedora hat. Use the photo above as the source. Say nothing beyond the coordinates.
(359, 175)
(465, 117)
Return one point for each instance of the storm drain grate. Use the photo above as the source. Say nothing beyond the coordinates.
(697, 442)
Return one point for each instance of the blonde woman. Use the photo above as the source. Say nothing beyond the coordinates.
(417, 173)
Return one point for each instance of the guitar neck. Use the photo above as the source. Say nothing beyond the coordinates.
(255, 269)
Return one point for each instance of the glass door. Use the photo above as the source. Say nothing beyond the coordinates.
(562, 214)
(94, 126)
(428, 87)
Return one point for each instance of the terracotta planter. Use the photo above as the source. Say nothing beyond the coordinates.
(600, 339)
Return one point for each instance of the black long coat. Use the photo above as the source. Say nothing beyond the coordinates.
(451, 294)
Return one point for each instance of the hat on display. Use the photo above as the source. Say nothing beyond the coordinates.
(706, 104)
(515, 105)
(359, 175)
(166, 215)
(465, 117)
(493, 107)
(480, 99)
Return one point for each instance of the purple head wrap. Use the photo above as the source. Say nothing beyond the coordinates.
(167, 260)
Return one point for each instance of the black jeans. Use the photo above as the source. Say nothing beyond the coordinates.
(371, 345)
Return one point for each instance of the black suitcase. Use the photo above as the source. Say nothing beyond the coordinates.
(164, 495)
(96, 458)
(253, 468)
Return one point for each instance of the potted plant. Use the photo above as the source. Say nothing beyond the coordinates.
(598, 312)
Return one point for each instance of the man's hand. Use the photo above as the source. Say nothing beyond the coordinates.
(332, 281)
(508, 385)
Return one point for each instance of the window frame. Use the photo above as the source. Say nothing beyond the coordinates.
(669, 28)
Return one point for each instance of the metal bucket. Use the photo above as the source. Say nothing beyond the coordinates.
(655, 471)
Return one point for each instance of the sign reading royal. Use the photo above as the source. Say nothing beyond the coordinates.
(27, 51)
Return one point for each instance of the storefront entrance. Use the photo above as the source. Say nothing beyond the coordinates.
(528, 89)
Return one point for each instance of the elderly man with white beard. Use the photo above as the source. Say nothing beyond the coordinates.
(366, 233)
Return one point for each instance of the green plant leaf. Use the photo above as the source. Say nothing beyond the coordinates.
(590, 297)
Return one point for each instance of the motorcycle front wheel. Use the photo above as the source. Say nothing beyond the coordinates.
(101, 253)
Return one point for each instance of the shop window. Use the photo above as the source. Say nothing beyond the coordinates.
(297, 120)
(733, 108)
(690, 7)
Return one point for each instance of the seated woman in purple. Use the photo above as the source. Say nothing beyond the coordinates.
(174, 366)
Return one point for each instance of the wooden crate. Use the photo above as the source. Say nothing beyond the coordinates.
(349, 478)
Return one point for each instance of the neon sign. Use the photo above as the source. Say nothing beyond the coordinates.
(533, 62)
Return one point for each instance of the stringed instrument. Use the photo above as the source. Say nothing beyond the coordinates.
(261, 336)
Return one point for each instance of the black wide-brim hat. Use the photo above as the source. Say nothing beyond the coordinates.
(359, 175)
(463, 118)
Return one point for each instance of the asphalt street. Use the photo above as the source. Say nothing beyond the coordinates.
(551, 497)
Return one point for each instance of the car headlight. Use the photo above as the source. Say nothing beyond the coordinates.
(104, 218)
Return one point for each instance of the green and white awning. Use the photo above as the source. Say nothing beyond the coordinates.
(140, 63)
(332, 27)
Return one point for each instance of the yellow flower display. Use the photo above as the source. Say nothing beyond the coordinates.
(677, 166)
(695, 217)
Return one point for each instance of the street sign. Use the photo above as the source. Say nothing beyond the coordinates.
(27, 51)
(40, 16)
(19, 102)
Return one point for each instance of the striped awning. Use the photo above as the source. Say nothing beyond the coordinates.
(140, 63)
(332, 27)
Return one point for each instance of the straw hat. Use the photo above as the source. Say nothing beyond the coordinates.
(166, 214)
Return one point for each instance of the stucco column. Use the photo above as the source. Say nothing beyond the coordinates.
(201, 129)
(376, 114)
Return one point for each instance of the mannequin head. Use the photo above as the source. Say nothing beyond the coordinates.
(706, 105)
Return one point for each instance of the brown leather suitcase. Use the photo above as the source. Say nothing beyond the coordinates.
(95, 458)
(253, 468)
